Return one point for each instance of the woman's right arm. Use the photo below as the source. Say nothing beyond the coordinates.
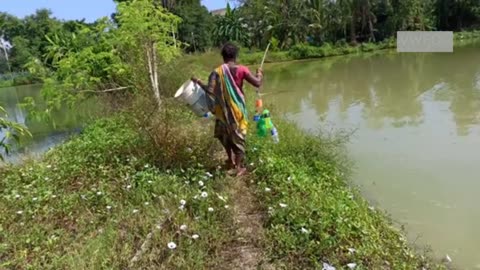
(211, 83)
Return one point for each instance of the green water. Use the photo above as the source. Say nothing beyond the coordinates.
(45, 134)
(416, 144)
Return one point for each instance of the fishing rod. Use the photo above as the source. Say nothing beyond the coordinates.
(259, 102)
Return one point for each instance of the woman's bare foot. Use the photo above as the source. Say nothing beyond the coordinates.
(241, 171)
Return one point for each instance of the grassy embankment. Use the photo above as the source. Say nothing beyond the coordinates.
(113, 193)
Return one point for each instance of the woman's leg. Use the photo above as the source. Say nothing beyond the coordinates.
(221, 135)
(239, 153)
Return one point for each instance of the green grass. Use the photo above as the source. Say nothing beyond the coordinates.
(90, 204)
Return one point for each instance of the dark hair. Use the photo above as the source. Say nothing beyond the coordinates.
(229, 52)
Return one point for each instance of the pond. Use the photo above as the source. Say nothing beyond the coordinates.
(45, 135)
(416, 141)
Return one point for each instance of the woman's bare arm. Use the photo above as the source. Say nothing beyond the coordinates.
(255, 80)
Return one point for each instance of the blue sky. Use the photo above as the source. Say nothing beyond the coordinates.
(75, 9)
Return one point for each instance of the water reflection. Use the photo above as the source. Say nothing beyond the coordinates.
(45, 134)
(390, 89)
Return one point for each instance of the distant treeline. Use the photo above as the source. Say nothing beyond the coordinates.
(254, 23)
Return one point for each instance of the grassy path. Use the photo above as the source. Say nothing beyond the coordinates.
(247, 249)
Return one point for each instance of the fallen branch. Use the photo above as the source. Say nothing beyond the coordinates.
(105, 91)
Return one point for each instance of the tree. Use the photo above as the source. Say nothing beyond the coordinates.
(196, 27)
(147, 32)
(230, 27)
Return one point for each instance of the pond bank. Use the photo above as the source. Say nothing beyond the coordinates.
(98, 198)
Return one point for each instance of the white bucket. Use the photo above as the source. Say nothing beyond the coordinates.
(194, 96)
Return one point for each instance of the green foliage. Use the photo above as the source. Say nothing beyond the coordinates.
(230, 27)
(9, 130)
(92, 202)
(320, 21)
(196, 27)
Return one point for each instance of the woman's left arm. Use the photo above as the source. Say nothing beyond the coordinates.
(255, 80)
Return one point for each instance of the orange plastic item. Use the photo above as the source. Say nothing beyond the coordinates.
(258, 103)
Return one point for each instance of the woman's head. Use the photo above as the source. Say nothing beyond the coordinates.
(229, 52)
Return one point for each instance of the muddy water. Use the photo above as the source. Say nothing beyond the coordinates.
(45, 134)
(417, 135)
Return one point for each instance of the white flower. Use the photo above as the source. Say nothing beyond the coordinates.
(158, 227)
(304, 230)
(54, 196)
(149, 181)
(183, 227)
(49, 166)
(267, 189)
(146, 166)
(352, 265)
(135, 211)
(109, 207)
(210, 209)
(181, 207)
(46, 178)
(226, 206)
(209, 174)
(195, 236)
(289, 178)
(17, 196)
(183, 202)
(19, 212)
(172, 245)
(129, 186)
(254, 149)
(204, 194)
(282, 205)
(99, 193)
(146, 203)
(252, 164)
(327, 266)
(34, 199)
(351, 250)
(200, 183)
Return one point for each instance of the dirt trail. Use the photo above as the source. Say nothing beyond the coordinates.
(246, 252)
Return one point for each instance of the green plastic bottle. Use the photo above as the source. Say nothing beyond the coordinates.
(262, 128)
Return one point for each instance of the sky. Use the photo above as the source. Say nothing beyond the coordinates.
(79, 9)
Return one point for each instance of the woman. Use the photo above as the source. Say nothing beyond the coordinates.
(227, 103)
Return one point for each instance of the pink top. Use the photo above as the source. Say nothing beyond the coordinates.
(240, 75)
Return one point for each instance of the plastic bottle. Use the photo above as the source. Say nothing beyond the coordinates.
(262, 130)
(275, 137)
